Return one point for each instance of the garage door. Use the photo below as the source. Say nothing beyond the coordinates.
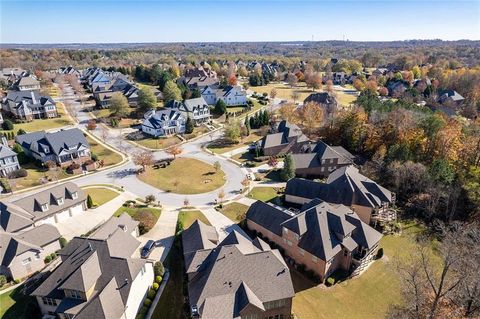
(76, 210)
(63, 216)
(49, 220)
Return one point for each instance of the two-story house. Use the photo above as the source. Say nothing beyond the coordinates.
(23, 253)
(326, 101)
(8, 158)
(322, 237)
(198, 78)
(197, 109)
(231, 95)
(29, 105)
(27, 83)
(97, 278)
(163, 122)
(319, 159)
(282, 139)
(49, 206)
(345, 186)
(62, 147)
(236, 277)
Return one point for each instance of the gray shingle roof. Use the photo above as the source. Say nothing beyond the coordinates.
(284, 133)
(124, 222)
(89, 262)
(58, 141)
(6, 151)
(237, 273)
(267, 216)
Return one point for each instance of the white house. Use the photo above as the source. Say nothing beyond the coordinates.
(197, 109)
(231, 95)
(163, 123)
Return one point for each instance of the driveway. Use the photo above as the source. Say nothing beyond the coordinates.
(84, 222)
(222, 223)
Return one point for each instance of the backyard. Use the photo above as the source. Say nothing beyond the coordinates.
(265, 194)
(108, 156)
(224, 147)
(44, 124)
(187, 217)
(100, 195)
(366, 296)
(147, 216)
(36, 176)
(15, 305)
(184, 176)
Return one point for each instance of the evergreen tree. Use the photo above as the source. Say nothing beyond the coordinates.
(189, 126)
(195, 93)
(7, 125)
(90, 203)
(288, 170)
(247, 125)
(220, 108)
(21, 132)
(252, 122)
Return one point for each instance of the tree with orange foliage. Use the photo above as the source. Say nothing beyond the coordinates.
(358, 84)
(329, 86)
(232, 80)
(174, 150)
(383, 91)
(311, 115)
(144, 159)
(287, 112)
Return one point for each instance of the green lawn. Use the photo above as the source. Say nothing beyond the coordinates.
(184, 176)
(101, 113)
(264, 194)
(101, 195)
(159, 143)
(108, 156)
(219, 149)
(363, 297)
(15, 305)
(235, 211)
(171, 303)
(247, 156)
(35, 176)
(44, 124)
(197, 131)
(132, 211)
(188, 217)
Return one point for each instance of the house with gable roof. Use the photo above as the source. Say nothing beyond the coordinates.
(236, 277)
(197, 109)
(231, 95)
(163, 122)
(29, 105)
(323, 237)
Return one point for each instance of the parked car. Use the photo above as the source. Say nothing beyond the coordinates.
(147, 249)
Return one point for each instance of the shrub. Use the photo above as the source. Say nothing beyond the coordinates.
(94, 157)
(5, 185)
(47, 259)
(147, 220)
(63, 242)
(142, 313)
(73, 166)
(249, 164)
(155, 286)
(380, 253)
(7, 125)
(147, 302)
(89, 162)
(16, 281)
(159, 270)
(158, 279)
(150, 198)
(90, 203)
(151, 294)
(18, 173)
(53, 256)
(21, 132)
(330, 281)
(3, 280)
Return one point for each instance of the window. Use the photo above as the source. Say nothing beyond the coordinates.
(75, 294)
(59, 200)
(254, 316)
(44, 207)
(345, 252)
(75, 195)
(314, 259)
(49, 301)
(37, 256)
(26, 261)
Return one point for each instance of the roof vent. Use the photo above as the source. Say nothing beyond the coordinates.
(90, 246)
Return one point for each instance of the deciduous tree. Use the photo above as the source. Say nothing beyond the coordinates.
(171, 92)
(143, 159)
(119, 105)
(174, 150)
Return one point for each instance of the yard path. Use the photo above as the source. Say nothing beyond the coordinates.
(222, 223)
(86, 221)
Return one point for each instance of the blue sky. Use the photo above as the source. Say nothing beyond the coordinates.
(204, 21)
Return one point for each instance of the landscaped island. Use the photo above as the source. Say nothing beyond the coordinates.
(185, 176)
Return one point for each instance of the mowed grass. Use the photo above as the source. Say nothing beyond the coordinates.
(184, 176)
(159, 143)
(366, 296)
(264, 194)
(235, 211)
(35, 176)
(100, 195)
(15, 305)
(220, 149)
(44, 124)
(188, 217)
(108, 156)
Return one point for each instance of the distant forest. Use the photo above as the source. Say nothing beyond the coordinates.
(452, 54)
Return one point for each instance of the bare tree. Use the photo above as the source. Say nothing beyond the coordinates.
(174, 150)
(221, 196)
(295, 96)
(311, 115)
(144, 159)
(292, 79)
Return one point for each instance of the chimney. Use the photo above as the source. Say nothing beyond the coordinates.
(34, 101)
(3, 140)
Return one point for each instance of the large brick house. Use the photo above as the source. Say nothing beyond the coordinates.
(282, 139)
(344, 186)
(322, 237)
(236, 278)
(63, 147)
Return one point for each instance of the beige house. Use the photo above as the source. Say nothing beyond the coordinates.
(322, 237)
(236, 278)
(23, 253)
(348, 187)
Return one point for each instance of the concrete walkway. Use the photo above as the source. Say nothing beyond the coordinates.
(84, 222)
(222, 223)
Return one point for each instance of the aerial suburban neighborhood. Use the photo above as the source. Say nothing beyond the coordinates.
(216, 171)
